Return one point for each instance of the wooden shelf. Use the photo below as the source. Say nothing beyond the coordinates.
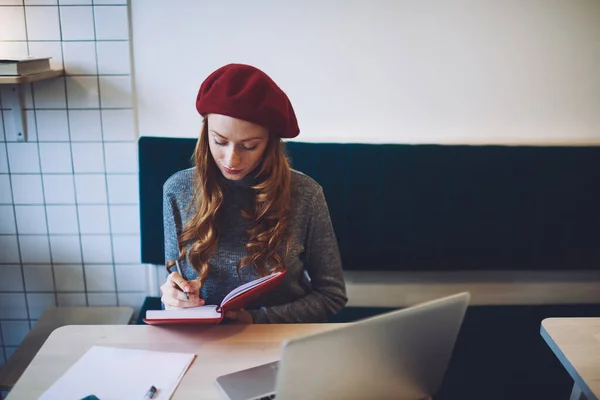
(31, 78)
(14, 98)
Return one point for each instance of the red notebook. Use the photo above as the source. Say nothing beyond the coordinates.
(238, 298)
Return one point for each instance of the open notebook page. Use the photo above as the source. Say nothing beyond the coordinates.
(209, 311)
(203, 312)
(245, 287)
(113, 374)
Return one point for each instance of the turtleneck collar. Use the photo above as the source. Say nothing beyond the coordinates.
(245, 183)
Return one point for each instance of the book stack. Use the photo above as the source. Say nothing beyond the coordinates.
(18, 66)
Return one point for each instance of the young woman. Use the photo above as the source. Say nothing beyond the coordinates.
(241, 213)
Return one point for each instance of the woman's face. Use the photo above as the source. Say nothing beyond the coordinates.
(237, 146)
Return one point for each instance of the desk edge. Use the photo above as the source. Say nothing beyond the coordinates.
(565, 362)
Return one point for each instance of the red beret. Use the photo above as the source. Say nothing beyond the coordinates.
(245, 92)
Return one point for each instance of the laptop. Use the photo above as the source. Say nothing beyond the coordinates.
(401, 354)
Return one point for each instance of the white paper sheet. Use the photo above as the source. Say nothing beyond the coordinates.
(115, 374)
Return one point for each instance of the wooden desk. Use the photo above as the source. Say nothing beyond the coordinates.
(51, 319)
(220, 349)
(576, 343)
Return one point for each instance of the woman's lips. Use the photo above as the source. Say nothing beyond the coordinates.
(232, 171)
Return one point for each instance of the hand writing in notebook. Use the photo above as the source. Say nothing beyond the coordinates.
(232, 308)
(173, 296)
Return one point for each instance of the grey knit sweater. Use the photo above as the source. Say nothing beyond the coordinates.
(314, 287)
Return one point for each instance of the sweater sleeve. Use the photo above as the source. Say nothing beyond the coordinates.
(324, 266)
(171, 223)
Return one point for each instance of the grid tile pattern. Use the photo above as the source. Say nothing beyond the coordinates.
(69, 220)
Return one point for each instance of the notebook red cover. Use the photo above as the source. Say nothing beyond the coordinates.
(210, 314)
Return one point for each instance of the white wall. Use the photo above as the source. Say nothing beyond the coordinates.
(69, 219)
(400, 71)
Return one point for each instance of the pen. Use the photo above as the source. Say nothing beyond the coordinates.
(187, 296)
(151, 392)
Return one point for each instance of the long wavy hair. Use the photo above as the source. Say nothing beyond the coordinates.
(267, 221)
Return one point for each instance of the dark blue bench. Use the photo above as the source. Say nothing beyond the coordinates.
(429, 207)
(444, 208)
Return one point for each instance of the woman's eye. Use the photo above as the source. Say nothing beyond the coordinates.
(245, 148)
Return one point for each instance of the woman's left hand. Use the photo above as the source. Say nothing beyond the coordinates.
(239, 317)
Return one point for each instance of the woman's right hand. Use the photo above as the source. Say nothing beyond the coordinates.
(173, 296)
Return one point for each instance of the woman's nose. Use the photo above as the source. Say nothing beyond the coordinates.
(233, 158)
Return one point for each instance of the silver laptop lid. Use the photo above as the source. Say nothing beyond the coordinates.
(401, 355)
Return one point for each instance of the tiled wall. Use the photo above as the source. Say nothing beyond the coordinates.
(69, 220)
